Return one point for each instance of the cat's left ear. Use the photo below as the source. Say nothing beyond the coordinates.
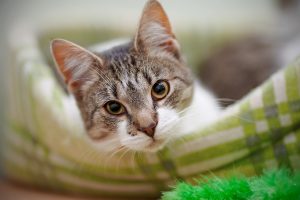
(77, 65)
(154, 35)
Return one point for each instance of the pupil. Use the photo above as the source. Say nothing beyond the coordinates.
(114, 107)
(159, 88)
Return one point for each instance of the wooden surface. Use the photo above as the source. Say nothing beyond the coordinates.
(9, 191)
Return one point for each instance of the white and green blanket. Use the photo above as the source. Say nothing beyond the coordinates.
(44, 144)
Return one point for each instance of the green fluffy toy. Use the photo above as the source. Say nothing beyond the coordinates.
(276, 185)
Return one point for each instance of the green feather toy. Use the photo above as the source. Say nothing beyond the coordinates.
(271, 185)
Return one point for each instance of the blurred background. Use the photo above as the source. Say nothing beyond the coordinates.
(268, 23)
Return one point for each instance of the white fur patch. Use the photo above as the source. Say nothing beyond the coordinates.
(166, 127)
(202, 111)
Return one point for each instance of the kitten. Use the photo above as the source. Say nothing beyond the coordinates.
(137, 95)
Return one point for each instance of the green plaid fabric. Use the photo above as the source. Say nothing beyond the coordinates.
(45, 146)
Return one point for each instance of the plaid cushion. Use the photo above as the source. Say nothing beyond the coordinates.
(45, 146)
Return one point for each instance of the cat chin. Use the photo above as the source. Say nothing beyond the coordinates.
(140, 142)
(151, 147)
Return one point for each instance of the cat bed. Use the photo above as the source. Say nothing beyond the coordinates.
(45, 146)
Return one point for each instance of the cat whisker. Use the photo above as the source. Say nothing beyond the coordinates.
(92, 155)
(106, 145)
(243, 119)
(121, 157)
(233, 114)
(225, 100)
(133, 158)
(118, 150)
(185, 109)
(89, 153)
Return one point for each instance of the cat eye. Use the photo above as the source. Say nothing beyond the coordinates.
(114, 108)
(160, 90)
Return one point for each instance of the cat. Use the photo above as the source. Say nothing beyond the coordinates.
(138, 95)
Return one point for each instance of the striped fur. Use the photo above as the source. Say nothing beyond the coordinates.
(126, 73)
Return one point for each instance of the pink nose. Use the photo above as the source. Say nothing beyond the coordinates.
(149, 130)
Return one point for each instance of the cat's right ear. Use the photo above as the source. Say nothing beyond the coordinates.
(154, 35)
(76, 64)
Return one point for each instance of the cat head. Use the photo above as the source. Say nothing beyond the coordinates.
(130, 96)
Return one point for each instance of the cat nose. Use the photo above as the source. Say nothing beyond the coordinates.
(149, 130)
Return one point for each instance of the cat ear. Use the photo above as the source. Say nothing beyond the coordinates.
(154, 35)
(75, 64)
